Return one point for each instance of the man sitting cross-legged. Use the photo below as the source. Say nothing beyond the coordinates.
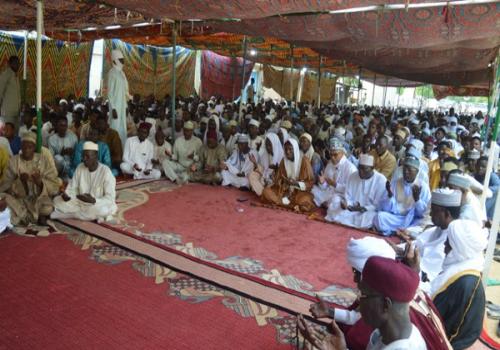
(364, 191)
(138, 155)
(292, 182)
(91, 192)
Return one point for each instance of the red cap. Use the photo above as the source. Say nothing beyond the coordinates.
(391, 278)
(145, 125)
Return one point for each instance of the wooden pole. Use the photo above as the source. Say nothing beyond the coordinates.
(39, 30)
(174, 61)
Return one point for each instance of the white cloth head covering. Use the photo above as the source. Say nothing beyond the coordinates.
(417, 144)
(242, 138)
(359, 250)
(115, 57)
(310, 152)
(277, 151)
(293, 168)
(254, 123)
(79, 106)
(467, 241)
(216, 119)
(90, 146)
(446, 197)
(366, 159)
(284, 132)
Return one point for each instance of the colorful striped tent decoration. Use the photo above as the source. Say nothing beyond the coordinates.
(148, 68)
(65, 66)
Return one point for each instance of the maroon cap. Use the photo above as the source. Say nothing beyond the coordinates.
(145, 125)
(391, 278)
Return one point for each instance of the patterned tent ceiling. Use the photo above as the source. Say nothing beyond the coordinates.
(446, 45)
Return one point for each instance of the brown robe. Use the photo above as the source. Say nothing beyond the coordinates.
(112, 139)
(299, 200)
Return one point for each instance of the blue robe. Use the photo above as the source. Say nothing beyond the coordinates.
(393, 215)
(103, 155)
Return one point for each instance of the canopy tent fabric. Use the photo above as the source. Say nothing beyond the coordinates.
(66, 66)
(148, 68)
(280, 79)
(441, 92)
(450, 45)
(310, 88)
(221, 76)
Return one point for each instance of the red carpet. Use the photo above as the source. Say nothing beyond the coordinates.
(213, 219)
(52, 296)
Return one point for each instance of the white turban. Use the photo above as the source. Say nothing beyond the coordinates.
(359, 250)
(115, 56)
(466, 240)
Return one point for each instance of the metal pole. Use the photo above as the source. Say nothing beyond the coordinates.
(291, 73)
(39, 29)
(25, 65)
(174, 61)
(373, 89)
(243, 72)
(234, 66)
(385, 89)
(399, 91)
(319, 83)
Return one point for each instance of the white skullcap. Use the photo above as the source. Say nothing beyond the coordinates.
(79, 106)
(360, 250)
(189, 125)
(306, 136)
(417, 144)
(269, 117)
(254, 123)
(62, 101)
(243, 138)
(204, 120)
(233, 123)
(116, 55)
(339, 132)
(90, 146)
(459, 180)
(366, 159)
(446, 197)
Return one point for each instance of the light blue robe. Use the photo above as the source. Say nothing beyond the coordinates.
(393, 215)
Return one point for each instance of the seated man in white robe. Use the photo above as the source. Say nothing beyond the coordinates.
(364, 191)
(270, 156)
(184, 155)
(406, 202)
(91, 193)
(162, 149)
(239, 165)
(62, 145)
(138, 155)
(330, 189)
(470, 206)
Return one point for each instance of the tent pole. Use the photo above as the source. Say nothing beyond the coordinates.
(399, 91)
(291, 73)
(496, 216)
(373, 89)
(25, 65)
(174, 61)
(319, 83)
(385, 89)
(39, 29)
(359, 88)
(243, 72)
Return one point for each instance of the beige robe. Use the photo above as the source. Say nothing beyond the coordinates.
(212, 157)
(301, 200)
(27, 206)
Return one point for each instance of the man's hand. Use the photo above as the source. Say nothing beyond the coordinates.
(241, 175)
(223, 166)
(191, 155)
(273, 166)
(412, 257)
(193, 167)
(388, 189)
(168, 153)
(331, 182)
(65, 197)
(319, 309)
(209, 169)
(136, 168)
(253, 160)
(155, 162)
(404, 235)
(24, 178)
(115, 114)
(322, 178)
(87, 198)
(36, 178)
(416, 192)
(343, 205)
(67, 151)
(147, 172)
(334, 341)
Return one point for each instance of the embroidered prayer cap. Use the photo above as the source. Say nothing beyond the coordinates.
(412, 162)
(459, 180)
(366, 159)
(360, 250)
(391, 278)
(243, 138)
(233, 123)
(400, 133)
(286, 124)
(306, 136)
(90, 146)
(254, 123)
(474, 154)
(145, 125)
(189, 125)
(445, 197)
(29, 137)
(336, 144)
